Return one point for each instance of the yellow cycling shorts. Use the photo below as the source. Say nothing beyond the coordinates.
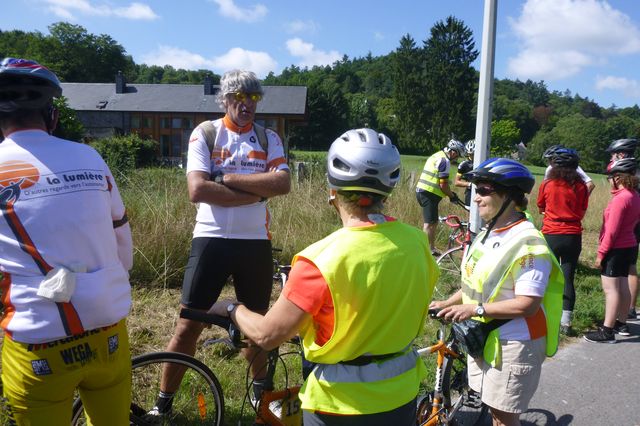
(40, 379)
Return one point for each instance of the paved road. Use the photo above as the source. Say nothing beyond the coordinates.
(589, 384)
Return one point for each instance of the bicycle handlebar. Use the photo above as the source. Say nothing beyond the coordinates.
(223, 322)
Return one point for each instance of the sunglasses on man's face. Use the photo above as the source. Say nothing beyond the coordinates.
(241, 96)
(484, 190)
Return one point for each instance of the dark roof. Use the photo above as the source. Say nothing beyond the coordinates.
(278, 100)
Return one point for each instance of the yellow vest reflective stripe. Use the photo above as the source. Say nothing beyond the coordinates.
(429, 179)
(374, 274)
(373, 372)
(483, 276)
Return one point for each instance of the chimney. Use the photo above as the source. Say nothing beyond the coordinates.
(208, 85)
(121, 84)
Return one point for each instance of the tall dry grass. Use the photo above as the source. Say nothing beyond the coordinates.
(162, 220)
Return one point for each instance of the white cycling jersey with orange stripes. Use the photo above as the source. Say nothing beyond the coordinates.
(236, 151)
(60, 208)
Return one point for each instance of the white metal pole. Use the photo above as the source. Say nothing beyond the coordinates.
(485, 96)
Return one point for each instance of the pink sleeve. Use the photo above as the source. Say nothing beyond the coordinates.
(611, 225)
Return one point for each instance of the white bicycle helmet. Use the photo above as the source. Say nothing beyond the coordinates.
(363, 160)
(456, 146)
(470, 147)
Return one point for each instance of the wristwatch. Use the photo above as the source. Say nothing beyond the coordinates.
(480, 310)
(219, 179)
(232, 307)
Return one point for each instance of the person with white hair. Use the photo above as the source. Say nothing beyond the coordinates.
(233, 167)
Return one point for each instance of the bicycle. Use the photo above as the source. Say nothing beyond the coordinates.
(451, 401)
(200, 398)
(459, 240)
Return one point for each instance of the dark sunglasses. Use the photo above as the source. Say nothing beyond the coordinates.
(485, 190)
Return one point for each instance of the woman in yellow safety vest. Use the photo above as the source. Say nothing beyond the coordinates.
(509, 273)
(358, 297)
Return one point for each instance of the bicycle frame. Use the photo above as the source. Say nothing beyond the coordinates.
(291, 411)
(441, 409)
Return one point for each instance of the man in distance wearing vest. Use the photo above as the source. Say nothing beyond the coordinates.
(433, 185)
(231, 178)
(358, 297)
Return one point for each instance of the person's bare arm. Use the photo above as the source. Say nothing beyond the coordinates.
(280, 323)
(590, 186)
(444, 185)
(518, 307)
(268, 184)
(203, 190)
(461, 183)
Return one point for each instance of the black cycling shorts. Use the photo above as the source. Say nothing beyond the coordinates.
(213, 260)
(617, 261)
(429, 203)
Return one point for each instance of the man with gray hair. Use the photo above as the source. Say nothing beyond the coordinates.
(231, 172)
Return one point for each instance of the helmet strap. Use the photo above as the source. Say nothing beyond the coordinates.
(50, 117)
(493, 221)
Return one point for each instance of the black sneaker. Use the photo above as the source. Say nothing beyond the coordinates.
(632, 314)
(601, 335)
(621, 329)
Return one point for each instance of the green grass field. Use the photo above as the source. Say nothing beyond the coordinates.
(162, 221)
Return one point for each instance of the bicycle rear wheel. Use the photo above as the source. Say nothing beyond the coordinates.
(198, 401)
(450, 272)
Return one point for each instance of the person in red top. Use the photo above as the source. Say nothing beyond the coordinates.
(617, 249)
(563, 199)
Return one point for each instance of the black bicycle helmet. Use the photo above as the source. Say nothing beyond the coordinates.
(503, 171)
(548, 153)
(363, 160)
(623, 145)
(623, 165)
(565, 157)
(25, 84)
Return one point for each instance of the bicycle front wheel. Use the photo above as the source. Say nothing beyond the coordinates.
(198, 401)
(464, 406)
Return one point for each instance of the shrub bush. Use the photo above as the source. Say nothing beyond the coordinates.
(123, 153)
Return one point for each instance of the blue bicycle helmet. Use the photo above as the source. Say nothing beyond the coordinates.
(503, 171)
(565, 157)
(25, 84)
(548, 153)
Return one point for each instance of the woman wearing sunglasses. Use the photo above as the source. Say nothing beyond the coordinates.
(617, 249)
(509, 273)
(563, 198)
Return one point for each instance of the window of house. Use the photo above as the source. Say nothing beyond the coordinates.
(165, 145)
(176, 145)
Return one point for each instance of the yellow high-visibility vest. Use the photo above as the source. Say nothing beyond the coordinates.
(429, 179)
(381, 280)
(485, 270)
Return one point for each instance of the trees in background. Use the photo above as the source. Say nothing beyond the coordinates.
(420, 96)
(450, 82)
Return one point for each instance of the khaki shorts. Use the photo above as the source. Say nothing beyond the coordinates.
(509, 387)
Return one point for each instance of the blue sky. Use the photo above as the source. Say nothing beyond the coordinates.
(591, 47)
